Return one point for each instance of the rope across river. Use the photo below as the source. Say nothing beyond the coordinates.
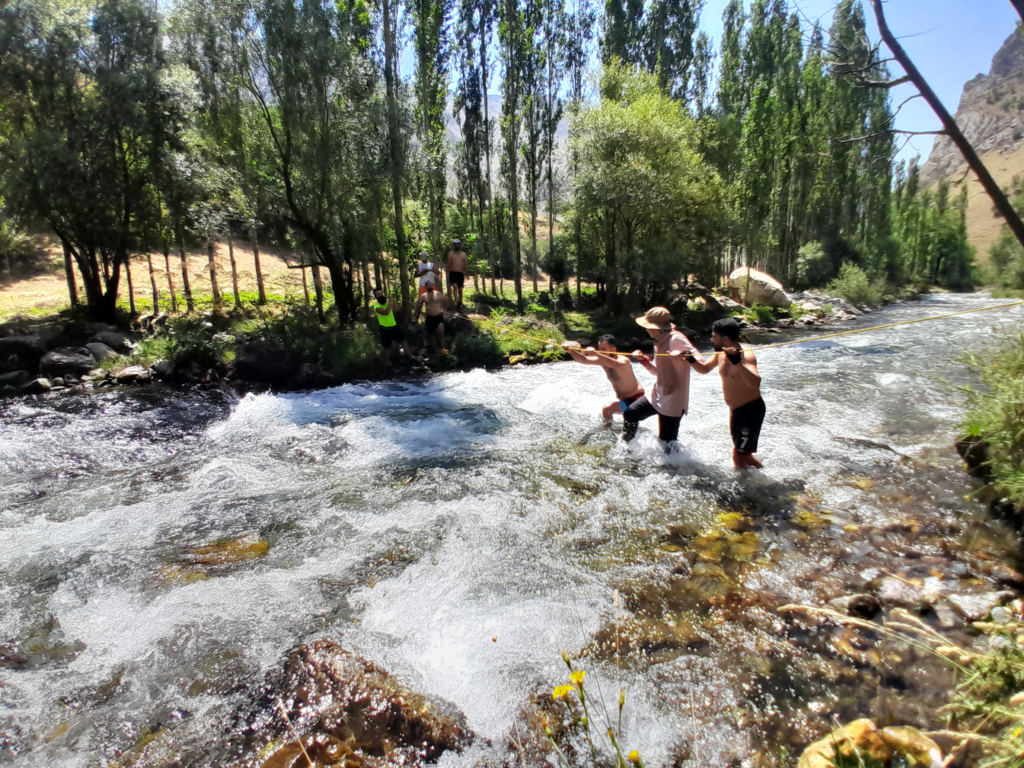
(798, 341)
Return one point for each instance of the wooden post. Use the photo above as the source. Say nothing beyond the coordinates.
(234, 271)
(213, 271)
(152, 282)
(131, 288)
(68, 270)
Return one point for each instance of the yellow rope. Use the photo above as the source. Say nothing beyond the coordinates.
(800, 341)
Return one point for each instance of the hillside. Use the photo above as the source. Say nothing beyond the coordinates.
(991, 115)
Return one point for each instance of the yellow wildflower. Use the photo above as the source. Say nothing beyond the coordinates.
(562, 692)
(577, 677)
(634, 757)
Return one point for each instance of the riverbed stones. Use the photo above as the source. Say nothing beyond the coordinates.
(57, 362)
(859, 738)
(132, 374)
(15, 379)
(978, 607)
(327, 691)
(859, 606)
(35, 387)
(912, 744)
(115, 340)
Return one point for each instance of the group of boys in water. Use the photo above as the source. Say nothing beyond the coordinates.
(674, 357)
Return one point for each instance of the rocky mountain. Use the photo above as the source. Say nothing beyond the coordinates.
(991, 112)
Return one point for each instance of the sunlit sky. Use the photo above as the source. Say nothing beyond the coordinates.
(951, 41)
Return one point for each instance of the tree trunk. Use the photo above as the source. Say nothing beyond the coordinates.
(366, 281)
(234, 271)
(318, 286)
(170, 281)
(68, 271)
(213, 271)
(186, 286)
(999, 199)
(610, 265)
(394, 141)
(305, 286)
(152, 282)
(131, 288)
(260, 288)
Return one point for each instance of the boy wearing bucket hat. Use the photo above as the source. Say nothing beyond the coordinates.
(671, 394)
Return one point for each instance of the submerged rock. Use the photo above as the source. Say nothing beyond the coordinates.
(859, 606)
(349, 708)
(899, 593)
(45, 645)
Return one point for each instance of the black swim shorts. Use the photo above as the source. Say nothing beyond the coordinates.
(457, 278)
(745, 425)
(433, 321)
(391, 334)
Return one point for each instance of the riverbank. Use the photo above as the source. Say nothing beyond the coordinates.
(285, 347)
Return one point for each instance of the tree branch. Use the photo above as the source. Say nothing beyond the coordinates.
(889, 131)
(999, 199)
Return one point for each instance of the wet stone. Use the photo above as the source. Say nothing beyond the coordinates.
(978, 607)
(914, 745)
(857, 739)
(859, 606)
(899, 594)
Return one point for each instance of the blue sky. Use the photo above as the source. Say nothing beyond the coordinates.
(950, 41)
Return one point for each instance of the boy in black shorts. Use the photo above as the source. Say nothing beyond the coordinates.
(741, 385)
(435, 304)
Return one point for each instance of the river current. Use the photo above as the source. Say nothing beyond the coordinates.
(459, 531)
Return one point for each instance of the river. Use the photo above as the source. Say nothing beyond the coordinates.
(460, 531)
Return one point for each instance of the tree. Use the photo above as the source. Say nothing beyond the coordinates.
(82, 97)
(516, 42)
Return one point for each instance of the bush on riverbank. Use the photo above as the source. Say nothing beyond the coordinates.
(996, 418)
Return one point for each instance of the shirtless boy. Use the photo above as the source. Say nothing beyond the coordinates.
(618, 369)
(435, 303)
(456, 266)
(741, 385)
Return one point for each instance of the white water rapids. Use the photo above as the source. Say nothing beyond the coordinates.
(435, 527)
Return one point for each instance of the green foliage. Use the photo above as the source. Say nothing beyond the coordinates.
(997, 416)
(759, 313)
(478, 349)
(854, 286)
(814, 266)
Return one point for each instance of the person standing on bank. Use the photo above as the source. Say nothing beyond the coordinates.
(390, 333)
(425, 271)
(435, 303)
(456, 266)
(741, 386)
(671, 394)
(618, 369)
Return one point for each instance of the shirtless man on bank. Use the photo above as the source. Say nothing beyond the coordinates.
(456, 266)
(435, 304)
(617, 368)
(741, 385)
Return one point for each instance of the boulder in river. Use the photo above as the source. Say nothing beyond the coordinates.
(132, 374)
(328, 692)
(116, 340)
(859, 606)
(57, 362)
(35, 387)
(100, 351)
(15, 379)
(749, 286)
(18, 352)
(857, 739)
(272, 365)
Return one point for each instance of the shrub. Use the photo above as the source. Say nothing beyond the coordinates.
(854, 286)
(477, 349)
(759, 313)
(813, 265)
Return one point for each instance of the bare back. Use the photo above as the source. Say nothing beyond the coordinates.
(737, 390)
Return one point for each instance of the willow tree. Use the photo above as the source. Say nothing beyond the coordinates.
(644, 187)
(83, 106)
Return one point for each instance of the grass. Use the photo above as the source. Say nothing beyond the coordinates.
(996, 417)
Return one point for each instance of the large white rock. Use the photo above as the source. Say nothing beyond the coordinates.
(754, 287)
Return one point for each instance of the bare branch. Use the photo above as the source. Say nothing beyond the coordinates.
(889, 132)
(886, 84)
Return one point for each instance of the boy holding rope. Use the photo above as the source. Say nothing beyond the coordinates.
(671, 394)
(741, 386)
(618, 369)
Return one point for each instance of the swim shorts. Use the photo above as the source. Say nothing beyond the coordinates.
(625, 402)
(391, 335)
(433, 321)
(457, 278)
(745, 425)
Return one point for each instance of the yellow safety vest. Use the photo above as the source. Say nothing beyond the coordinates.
(385, 321)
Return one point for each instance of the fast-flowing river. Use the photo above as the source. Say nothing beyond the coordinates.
(460, 531)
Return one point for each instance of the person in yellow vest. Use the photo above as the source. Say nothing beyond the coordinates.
(390, 333)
